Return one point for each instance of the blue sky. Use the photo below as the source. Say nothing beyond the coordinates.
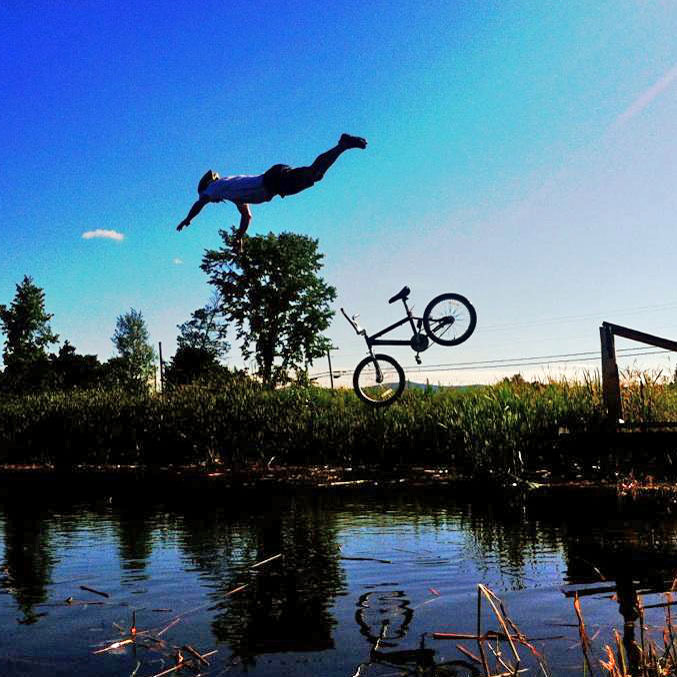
(521, 153)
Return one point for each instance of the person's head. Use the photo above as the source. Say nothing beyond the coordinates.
(206, 179)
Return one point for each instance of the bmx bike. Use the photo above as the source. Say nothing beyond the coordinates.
(449, 319)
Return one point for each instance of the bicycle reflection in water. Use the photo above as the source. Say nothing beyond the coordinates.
(391, 613)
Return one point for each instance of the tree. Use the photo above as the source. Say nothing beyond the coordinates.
(25, 324)
(275, 298)
(200, 344)
(75, 371)
(135, 354)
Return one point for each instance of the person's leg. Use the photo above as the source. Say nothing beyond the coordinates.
(282, 180)
(325, 160)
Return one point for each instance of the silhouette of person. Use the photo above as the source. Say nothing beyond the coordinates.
(282, 180)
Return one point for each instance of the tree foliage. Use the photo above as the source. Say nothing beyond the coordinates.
(276, 300)
(136, 356)
(71, 370)
(25, 325)
(200, 344)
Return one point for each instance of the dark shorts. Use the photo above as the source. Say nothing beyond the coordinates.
(284, 180)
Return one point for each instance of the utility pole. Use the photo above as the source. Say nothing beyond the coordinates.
(331, 373)
(162, 377)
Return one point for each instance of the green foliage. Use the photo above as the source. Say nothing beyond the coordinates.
(508, 429)
(275, 298)
(200, 344)
(478, 430)
(71, 370)
(25, 324)
(135, 363)
(206, 330)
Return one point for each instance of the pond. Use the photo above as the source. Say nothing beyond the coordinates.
(363, 579)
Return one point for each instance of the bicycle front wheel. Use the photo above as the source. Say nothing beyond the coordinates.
(378, 380)
(449, 319)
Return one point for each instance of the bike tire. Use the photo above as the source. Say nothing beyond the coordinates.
(378, 394)
(443, 312)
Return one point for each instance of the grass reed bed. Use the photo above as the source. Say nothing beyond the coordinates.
(508, 428)
(624, 656)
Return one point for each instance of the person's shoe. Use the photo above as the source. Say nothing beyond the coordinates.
(348, 141)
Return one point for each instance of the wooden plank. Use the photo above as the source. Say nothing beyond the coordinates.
(640, 336)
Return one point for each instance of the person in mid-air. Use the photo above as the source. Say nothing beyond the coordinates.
(279, 180)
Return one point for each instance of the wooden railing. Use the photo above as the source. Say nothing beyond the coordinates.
(611, 387)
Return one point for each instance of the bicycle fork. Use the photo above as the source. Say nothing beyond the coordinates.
(377, 366)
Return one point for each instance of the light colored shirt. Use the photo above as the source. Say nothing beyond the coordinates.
(241, 188)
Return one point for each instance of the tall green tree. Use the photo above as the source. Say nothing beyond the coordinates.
(25, 325)
(136, 356)
(200, 344)
(274, 297)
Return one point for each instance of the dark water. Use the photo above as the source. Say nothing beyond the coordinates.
(352, 566)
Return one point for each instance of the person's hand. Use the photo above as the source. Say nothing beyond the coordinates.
(183, 224)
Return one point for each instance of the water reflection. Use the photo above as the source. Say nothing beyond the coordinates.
(28, 556)
(384, 617)
(293, 604)
(286, 607)
(135, 524)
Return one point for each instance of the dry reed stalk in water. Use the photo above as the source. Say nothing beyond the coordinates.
(96, 592)
(490, 598)
(265, 561)
(469, 654)
(621, 652)
(585, 640)
(171, 625)
(114, 645)
(195, 653)
(485, 665)
(182, 664)
(492, 634)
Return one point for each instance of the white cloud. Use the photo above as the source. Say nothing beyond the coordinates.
(101, 233)
(646, 97)
(177, 261)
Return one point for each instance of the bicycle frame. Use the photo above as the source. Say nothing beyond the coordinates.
(376, 340)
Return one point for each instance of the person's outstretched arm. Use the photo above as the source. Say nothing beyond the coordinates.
(194, 211)
(245, 218)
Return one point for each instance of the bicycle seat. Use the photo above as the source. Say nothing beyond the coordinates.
(402, 294)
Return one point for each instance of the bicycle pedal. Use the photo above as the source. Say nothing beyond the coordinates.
(418, 359)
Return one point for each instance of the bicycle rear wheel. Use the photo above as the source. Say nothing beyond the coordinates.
(375, 390)
(449, 319)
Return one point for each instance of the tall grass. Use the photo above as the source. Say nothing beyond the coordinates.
(510, 427)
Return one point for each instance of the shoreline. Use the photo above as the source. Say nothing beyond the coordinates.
(292, 478)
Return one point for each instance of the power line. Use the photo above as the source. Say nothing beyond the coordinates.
(533, 361)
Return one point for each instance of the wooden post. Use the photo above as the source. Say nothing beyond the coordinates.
(611, 385)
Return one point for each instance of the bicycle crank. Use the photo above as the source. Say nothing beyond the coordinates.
(419, 342)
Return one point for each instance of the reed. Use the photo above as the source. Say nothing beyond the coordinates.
(511, 427)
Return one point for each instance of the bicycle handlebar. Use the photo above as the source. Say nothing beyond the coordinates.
(353, 324)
